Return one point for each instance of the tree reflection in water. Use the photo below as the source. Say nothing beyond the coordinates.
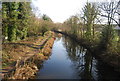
(81, 57)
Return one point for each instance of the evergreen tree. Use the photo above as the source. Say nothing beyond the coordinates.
(24, 15)
(46, 18)
(90, 14)
(10, 14)
(4, 19)
(15, 19)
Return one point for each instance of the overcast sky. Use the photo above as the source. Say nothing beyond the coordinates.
(60, 10)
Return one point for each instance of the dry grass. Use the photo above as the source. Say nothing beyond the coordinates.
(27, 49)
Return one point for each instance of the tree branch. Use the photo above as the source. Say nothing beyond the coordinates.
(111, 18)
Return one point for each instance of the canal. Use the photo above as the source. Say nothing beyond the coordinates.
(69, 60)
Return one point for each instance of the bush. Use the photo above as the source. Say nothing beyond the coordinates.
(44, 29)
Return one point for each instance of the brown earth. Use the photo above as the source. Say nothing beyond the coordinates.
(24, 57)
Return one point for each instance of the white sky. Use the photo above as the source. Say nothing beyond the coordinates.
(60, 10)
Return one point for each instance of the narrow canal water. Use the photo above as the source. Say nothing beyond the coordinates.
(71, 61)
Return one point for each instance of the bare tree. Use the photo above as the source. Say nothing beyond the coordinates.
(109, 10)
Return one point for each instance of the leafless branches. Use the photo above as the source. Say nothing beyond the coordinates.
(110, 11)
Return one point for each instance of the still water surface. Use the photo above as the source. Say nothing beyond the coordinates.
(68, 60)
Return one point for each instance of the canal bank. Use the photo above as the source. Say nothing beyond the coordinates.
(27, 56)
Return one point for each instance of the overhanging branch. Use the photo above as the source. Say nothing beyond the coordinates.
(111, 18)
